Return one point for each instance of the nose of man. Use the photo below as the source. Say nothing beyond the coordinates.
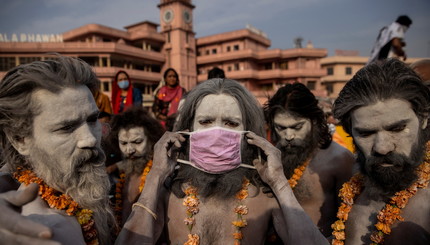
(130, 150)
(383, 144)
(288, 134)
(87, 137)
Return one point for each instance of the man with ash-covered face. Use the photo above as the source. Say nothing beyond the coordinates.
(385, 108)
(315, 165)
(135, 132)
(50, 135)
(202, 188)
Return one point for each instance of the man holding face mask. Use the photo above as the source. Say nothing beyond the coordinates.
(202, 188)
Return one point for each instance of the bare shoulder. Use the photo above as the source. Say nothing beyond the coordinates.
(415, 228)
(66, 229)
(418, 208)
(335, 156)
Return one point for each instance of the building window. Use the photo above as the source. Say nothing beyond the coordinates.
(168, 37)
(7, 63)
(329, 70)
(207, 52)
(105, 86)
(268, 66)
(311, 85)
(229, 68)
(329, 88)
(26, 60)
(104, 61)
(236, 66)
(92, 61)
(283, 65)
(214, 51)
(228, 48)
(198, 53)
(348, 70)
(236, 47)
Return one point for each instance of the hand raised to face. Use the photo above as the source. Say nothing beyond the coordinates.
(271, 171)
(165, 153)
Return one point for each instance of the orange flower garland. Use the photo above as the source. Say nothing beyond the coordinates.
(391, 211)
(240, 210)
(120, 185)
(191, 201)
(298, 172)
(60, 201)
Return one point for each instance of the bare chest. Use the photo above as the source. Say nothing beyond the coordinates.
(414, 229)
(316, 193)
(130, 193)
(213, 222)
(315, 186)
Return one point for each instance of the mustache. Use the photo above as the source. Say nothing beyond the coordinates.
(395, 159)
(94, 156)
(291, 143)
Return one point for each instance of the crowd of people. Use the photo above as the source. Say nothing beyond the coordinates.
(211, 165)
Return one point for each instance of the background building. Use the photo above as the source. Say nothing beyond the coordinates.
(145, 52)
(146, 49)
(340, 68)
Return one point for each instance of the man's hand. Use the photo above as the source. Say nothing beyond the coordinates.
(271, 171)
(165, 153)
(17, 229)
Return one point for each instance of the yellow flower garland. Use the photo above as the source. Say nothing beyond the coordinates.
(120, 185)
(60, 201)
(391, 211)
(191, 201)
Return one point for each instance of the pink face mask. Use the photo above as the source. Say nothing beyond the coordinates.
(215, 150)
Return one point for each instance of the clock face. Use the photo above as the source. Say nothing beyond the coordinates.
(187, 16)
(168, 16)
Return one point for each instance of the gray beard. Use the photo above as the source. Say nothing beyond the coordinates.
(85, 180)
(134, 166)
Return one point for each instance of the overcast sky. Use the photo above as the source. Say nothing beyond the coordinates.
(330, 24)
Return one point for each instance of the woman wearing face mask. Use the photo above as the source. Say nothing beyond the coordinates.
(167, 98)
(124, 94)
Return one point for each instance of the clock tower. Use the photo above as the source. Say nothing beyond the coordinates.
(176, 18)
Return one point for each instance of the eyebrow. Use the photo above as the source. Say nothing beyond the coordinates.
(237, 118)
(292, 125)
(93, 115)
(386, 127)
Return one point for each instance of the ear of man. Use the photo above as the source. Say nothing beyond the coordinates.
(425, 121)
(21, 144)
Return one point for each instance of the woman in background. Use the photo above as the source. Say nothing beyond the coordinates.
(167, 98)
(124, 94)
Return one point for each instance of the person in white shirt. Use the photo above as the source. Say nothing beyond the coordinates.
(390, 41)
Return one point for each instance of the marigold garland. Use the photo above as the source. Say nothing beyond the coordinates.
(60, 201)
(120, 185)
(191, 201)
(297, 174)
(391, 211)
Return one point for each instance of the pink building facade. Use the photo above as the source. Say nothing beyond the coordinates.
(145, 52)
